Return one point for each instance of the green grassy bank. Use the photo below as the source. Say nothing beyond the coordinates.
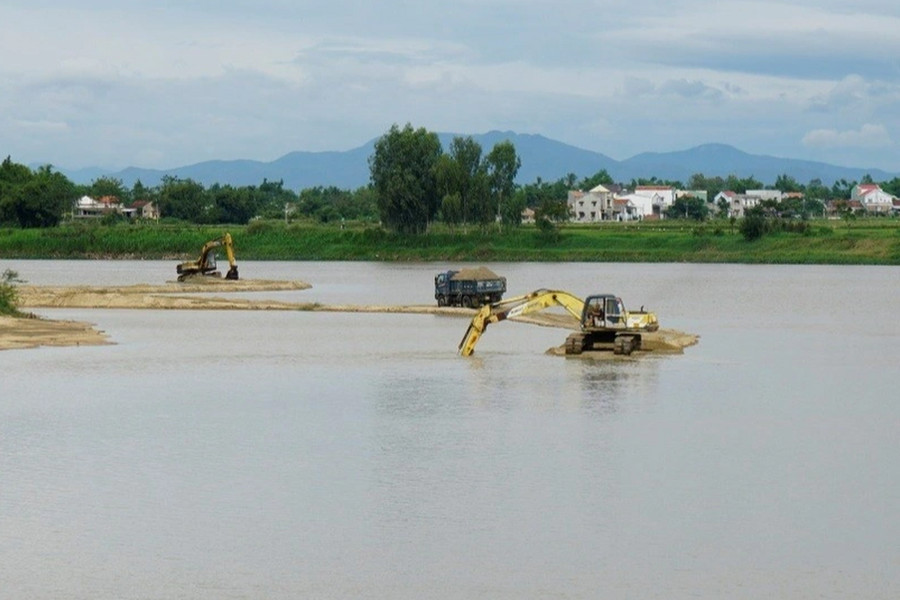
(875, 241)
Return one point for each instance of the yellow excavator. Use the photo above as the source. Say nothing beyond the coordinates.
(206, 264)
(604, 322)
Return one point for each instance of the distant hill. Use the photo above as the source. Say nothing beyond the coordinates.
(723, 160)
(541, 157)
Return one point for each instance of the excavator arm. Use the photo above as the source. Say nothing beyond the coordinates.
(516, 307)
(204, 266)
(229, 252)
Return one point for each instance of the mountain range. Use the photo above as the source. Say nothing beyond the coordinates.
(541, 157)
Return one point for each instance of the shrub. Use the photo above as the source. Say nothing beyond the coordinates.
(548, 232)
(9, 295)
(258, 227)
(754, 225)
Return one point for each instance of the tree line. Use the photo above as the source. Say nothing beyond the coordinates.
(45, 198)
(413, 183)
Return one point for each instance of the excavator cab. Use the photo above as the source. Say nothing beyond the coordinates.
(603, 311)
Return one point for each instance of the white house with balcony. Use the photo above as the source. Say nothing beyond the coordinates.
(737, 203)
(660, 196)
(90, 208)
(632, 207)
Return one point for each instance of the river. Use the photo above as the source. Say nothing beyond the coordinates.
(234, 454)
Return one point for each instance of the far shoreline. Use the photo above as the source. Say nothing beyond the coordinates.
(870, 241)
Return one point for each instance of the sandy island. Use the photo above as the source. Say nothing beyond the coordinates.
(32, 332)
(191, 295)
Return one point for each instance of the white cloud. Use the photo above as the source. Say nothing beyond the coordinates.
(138, 83)
(867, 136)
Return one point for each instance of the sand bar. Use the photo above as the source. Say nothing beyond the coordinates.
(196, 295)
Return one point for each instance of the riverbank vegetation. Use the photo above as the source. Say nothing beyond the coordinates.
(860, 241)
(424, 204)
(9, 295)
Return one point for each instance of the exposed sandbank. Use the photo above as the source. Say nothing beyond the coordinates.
(193, 295)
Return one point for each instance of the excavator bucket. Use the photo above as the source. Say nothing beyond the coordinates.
(232, 273)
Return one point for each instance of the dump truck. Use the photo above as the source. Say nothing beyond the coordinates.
(472, 287)
(603, 322)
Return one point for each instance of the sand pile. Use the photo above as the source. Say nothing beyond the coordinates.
(474, 274)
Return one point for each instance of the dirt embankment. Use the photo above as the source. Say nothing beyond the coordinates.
(195, 295)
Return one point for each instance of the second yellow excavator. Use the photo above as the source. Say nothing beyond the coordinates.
(604, 322)
(206, 264)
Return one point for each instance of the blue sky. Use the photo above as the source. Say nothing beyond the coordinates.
(117, 83)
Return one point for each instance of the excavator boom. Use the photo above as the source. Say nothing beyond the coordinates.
(517, 307)
(604, 322)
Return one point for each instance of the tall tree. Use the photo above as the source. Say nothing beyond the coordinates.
(688, 207)
(109, 186)
(457, 176)
(451, 209)
(231, 205)
(141, 192)
(787, 184)
(44, 199)
(403, 176)
(601, 177)
(502, 165)
(182, 199)
(892, 187)
(842, 189)
(712, 185)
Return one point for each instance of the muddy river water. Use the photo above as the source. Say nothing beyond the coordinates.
(232, 454)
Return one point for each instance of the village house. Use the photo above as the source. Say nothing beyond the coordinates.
(145, 209)
(661, 197)
(609, 202)
(774, 195)
(592, 206)
(528, 215)
(633, 207)
(737, 203)
(872, 198)
(90, 208)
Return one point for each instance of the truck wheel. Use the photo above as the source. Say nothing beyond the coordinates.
(467, 301)
(442, 300)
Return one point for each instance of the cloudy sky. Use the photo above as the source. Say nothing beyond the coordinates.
(116, 83)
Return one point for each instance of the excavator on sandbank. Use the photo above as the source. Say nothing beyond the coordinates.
(604, 322)
(206, 264)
